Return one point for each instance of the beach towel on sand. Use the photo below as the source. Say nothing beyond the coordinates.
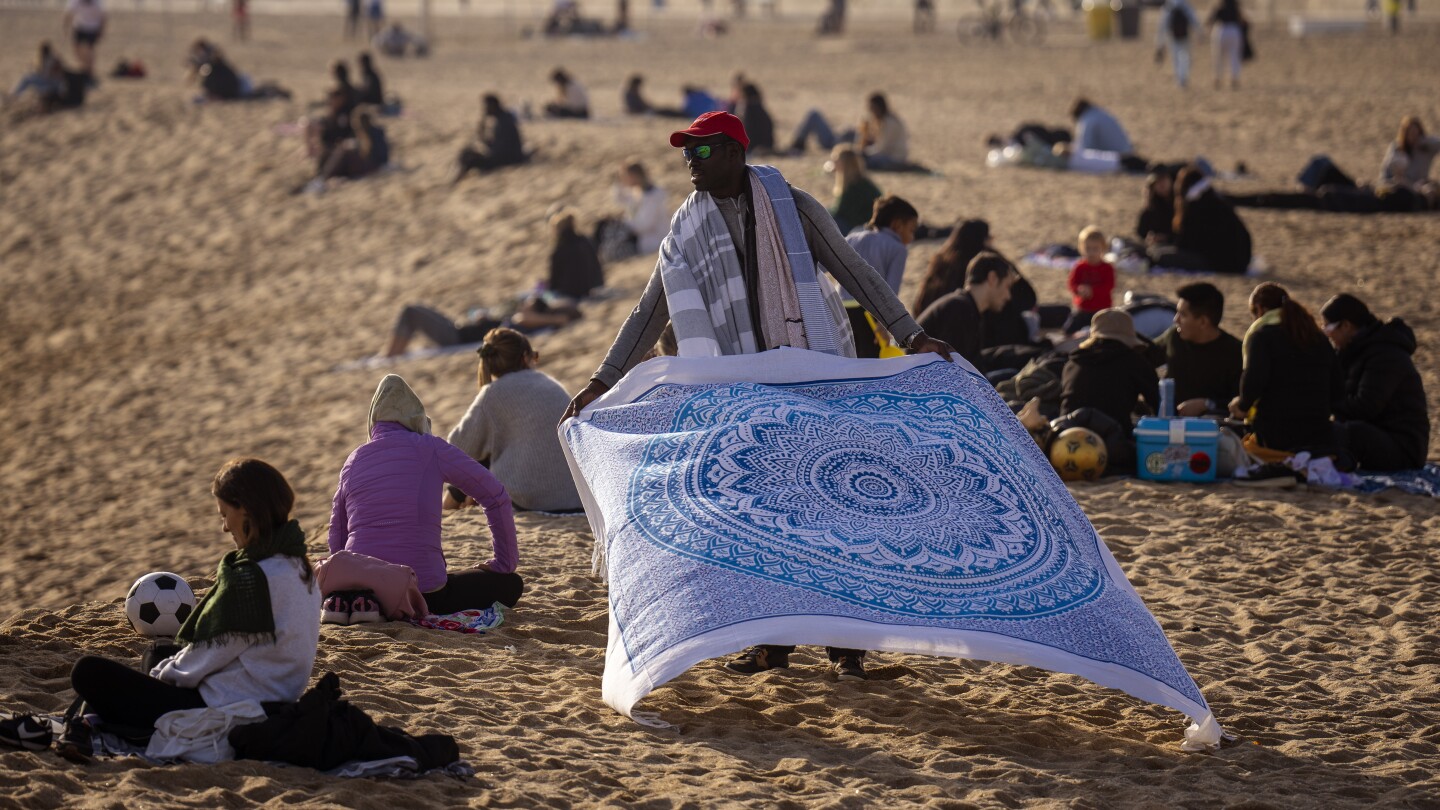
(794, 497)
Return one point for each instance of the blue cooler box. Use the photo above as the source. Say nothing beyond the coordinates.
(1177, 449)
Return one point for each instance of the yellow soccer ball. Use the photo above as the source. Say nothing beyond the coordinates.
(1078, 454)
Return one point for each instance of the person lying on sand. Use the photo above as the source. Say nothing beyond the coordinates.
(724, 202)
(510, 427)
(388, 505)
(253, 636)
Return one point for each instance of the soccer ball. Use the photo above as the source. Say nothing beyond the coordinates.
(1078, 454)
(159, 603)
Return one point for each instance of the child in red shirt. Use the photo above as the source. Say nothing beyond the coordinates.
(1091, 281)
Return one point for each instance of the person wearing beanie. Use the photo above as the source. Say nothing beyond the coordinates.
(737, 275)
(1382, 419)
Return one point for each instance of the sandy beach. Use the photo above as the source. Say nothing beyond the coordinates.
(165, 304)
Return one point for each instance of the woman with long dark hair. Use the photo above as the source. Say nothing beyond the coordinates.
(946, 273)
(252, 637)
(1290, 378)
(1207, 227)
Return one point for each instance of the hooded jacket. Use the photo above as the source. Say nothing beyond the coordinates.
(1382, 386)
(388, 503)
(1109, 376)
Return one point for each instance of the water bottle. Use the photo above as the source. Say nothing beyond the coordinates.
(1167, 398)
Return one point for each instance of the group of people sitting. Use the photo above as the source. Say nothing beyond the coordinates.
(1187, 224)
(347, 141)
(50, 85)
(255, 635)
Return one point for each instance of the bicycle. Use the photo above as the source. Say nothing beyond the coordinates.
(994, 23)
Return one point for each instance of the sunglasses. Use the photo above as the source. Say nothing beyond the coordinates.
(704, 151)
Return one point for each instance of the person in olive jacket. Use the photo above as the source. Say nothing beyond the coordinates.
(1382, 419)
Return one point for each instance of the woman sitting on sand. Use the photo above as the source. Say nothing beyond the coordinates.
(646, 220)
(1209, 236)
(388, 505)
(946, 273)
(855, 192)
(371, 89)
(510, 427)
(1291, 377)
(252, 637)
(1408, 160)
(1156, 224)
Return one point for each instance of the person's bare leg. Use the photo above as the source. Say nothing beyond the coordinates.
(396, 345)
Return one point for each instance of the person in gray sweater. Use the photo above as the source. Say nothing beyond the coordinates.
(510, 427)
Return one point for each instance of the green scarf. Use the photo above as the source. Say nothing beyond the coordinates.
(238, 606)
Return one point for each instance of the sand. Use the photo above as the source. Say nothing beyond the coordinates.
(164, 305)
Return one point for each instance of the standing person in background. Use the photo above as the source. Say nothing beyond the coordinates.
(1091, 281)
(240, 19)
(1178, 24)
(510, 427)
(884, 244)
(374, 18)
(855, 192)
(352, 19)
(1229, 41)
(571, 100)
(85, 20)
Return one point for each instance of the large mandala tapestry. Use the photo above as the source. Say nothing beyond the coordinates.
(792, 497)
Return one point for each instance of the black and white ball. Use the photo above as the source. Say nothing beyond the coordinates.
(159, 603)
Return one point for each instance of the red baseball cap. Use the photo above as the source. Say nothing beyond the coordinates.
(713, 123)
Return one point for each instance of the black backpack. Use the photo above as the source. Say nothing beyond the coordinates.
(1179, 24)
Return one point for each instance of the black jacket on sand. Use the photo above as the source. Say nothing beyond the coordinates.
(1109, 376)
(1383, 388)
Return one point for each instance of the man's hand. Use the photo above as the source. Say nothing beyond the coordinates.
(1235, 409)
(924, 343)
(587, 395)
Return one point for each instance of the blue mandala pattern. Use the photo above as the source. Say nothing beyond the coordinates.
(906, 503)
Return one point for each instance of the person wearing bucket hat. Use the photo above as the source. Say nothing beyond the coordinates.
(1108, 372)
(388, 505)
(737, 274)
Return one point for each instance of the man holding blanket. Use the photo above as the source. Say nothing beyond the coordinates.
(737, 275)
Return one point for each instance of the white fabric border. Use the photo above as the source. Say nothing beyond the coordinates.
(623, 686)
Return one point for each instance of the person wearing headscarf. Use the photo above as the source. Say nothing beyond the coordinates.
(388, 505)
